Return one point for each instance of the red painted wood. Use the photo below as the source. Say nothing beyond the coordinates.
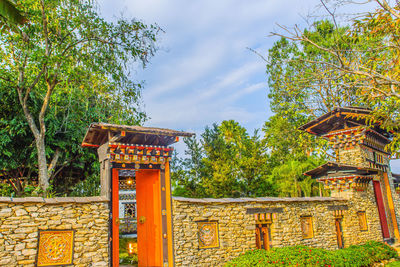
(115, 218)
(148, 200)
(381, 209)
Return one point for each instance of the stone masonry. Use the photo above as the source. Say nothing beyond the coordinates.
(21, 218)
(237, 227)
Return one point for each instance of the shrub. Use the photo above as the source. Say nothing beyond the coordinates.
(360, 255)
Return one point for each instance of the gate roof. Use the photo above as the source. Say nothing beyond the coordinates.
(100, 133)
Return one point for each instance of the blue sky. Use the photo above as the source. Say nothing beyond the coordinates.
(203, 72)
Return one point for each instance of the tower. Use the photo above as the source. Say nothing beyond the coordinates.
(361, 170)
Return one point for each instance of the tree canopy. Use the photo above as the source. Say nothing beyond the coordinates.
(352, 65)
(64, 69)
(228, 162)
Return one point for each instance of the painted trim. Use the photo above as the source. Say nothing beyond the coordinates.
(381, 209)
(115, 217)
(164, 219)
(170, 224)
(391, 205)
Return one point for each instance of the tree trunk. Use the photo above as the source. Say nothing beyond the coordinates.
(42, 163)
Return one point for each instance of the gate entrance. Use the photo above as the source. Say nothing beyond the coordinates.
(146, 153)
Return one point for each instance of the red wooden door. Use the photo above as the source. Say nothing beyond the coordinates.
(149, 225)
(381, 209)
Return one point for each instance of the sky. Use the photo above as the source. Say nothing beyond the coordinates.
(204, 71)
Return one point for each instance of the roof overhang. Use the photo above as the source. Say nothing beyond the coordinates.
(100, 133)
(334, 169)
(342, 118)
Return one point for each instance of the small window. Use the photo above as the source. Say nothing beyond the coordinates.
(362, 220)
(130, 210)
(307, 226)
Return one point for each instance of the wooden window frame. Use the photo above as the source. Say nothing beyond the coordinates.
(362, 220)
(309, 220)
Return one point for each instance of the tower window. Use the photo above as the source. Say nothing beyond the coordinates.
(362, 220)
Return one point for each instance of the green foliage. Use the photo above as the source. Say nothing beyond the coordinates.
(301, 91)
(226, 162)
(9, 14)
(289, 180)
(327, 65)
(393, 264)
(63, 70)
(360, 255)
(5, 190)
(90, 186)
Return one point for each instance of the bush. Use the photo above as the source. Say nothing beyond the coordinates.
(360, 255)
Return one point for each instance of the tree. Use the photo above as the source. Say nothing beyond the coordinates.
(298, 94)
(364, 59)
(291, 182)
(226, 162)
(69, 64)
(9, 14)
(298, 85)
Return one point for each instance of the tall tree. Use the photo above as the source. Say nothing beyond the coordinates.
(364, 60)
(69, 62)
(297, 94)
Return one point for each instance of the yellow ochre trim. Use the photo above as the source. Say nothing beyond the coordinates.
(169, 215)
(391, 206)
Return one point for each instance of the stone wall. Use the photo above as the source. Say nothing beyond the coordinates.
(360, 201)
(22, 218)
(237, 227)
(352, 156)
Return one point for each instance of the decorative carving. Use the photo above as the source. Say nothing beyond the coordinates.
(358, 183)
(138, 154)
(55, 247)
(208, 234)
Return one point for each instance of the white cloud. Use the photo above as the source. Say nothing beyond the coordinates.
(204, 73)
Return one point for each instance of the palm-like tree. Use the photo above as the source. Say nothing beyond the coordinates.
(9, 14)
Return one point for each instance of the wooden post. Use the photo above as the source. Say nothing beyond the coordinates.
(105, 175)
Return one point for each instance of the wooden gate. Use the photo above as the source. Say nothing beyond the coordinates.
(147, 151)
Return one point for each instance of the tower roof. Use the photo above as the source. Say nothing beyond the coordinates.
(334, 169)
(341, 118)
